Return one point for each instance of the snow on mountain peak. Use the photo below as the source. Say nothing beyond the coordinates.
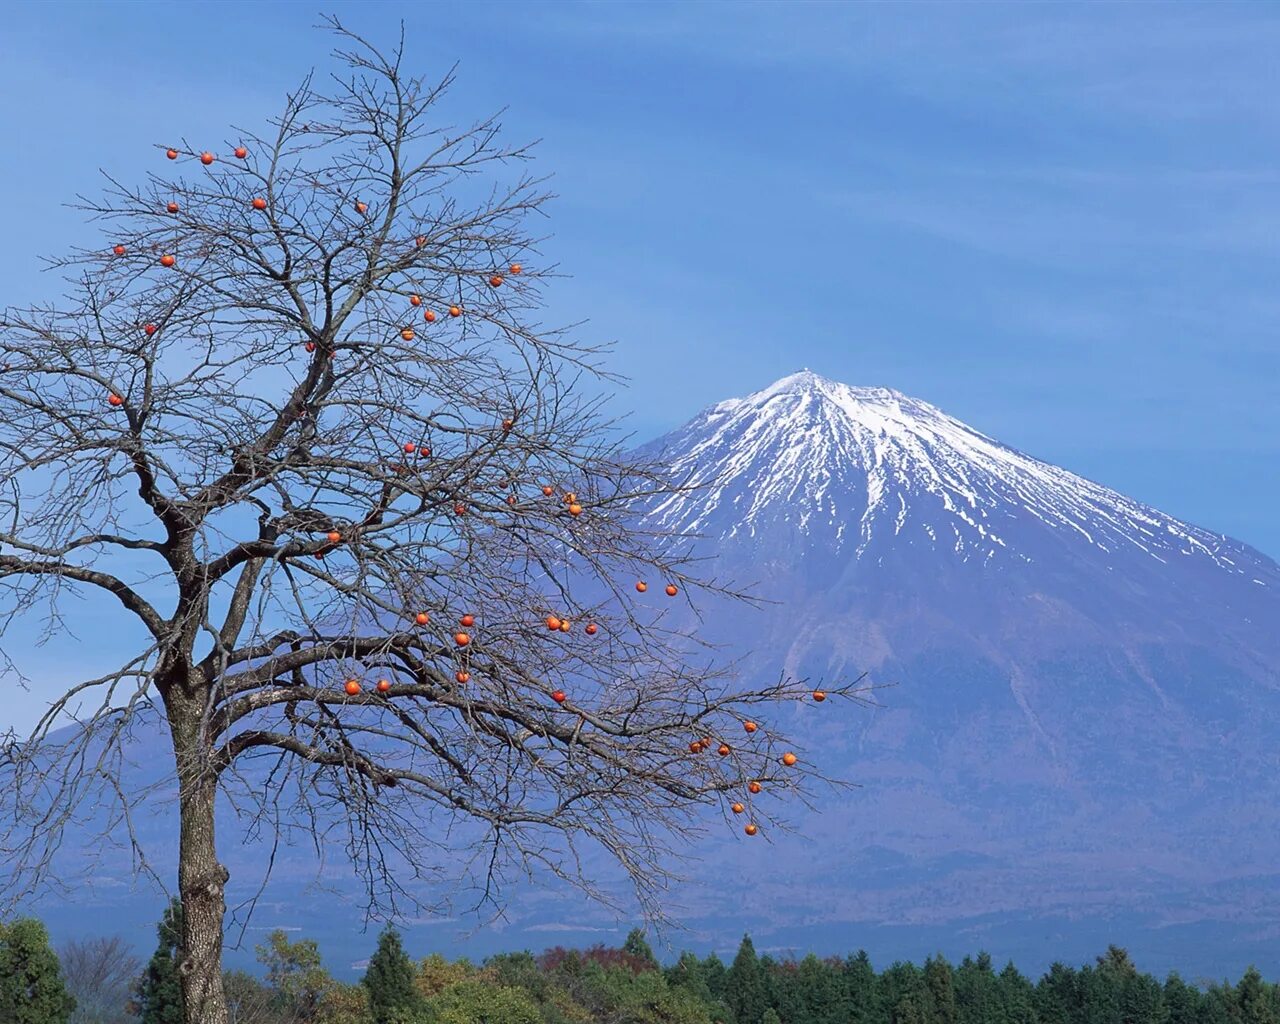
(808, 459)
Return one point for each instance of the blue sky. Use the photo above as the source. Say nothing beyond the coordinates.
(1060, 223)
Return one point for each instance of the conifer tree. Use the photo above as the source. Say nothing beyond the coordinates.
(159, 992)
(1219, 1006)
(1017, 995)
(638, 946)
(907, 1011)
(977, 991)
(389, 980)
(860, 987)
(939, 979)
(32, 990)
(820, 994)
(903, 994)
(1253, 1001)
(1182, 1001)
(716, 975)
(1055, 995)
(745, 992)
(689, 974)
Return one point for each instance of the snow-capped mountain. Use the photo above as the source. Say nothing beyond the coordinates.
(1079, 745)
(869, 491)
(849, 467)
(1084, 716)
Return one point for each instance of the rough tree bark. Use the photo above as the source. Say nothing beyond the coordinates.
(202, 878)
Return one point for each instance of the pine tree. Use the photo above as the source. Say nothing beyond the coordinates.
(903, 994)
(159, 992)
(1182, 1001)
(859, 989)
(907, 1011)
(689, 974)
(389, 980)
(771, 1017)
(32, 990)
(1017, 995)
(978, 992)
(1219, 1006)
(638, 946)
(939, 979)
(1253, 999)
(820, 991)
(716, 975)
(744, 990)
(1056, 995)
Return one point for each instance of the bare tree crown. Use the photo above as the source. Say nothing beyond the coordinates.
(298, 417)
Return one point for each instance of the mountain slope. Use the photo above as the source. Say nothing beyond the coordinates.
(1086, 704)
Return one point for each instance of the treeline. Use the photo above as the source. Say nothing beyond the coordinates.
(92, 983)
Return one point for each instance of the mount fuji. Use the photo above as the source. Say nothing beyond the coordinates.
(1077, 708)
(1079, 739)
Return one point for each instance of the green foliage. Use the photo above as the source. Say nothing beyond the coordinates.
(435, 974)
(716, 975)
(32, 990)
(1254, 999)
(474, 1002)
(1182, 1002)
(638, 946)
(627, 985)
(345, 1004)
(978, 996)
(940, 981)
(294, 974)
(1018, 996)
(159, 991)
(393, 996)
(744, 985)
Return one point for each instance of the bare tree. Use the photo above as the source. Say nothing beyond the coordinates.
(99, 974)
(299, 420)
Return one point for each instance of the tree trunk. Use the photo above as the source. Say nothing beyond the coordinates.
(201, 879)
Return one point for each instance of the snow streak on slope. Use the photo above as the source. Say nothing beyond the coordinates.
(848, 466)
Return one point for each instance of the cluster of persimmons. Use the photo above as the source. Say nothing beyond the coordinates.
(462, 638)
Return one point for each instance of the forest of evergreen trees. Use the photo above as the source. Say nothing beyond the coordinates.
(606, 985)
